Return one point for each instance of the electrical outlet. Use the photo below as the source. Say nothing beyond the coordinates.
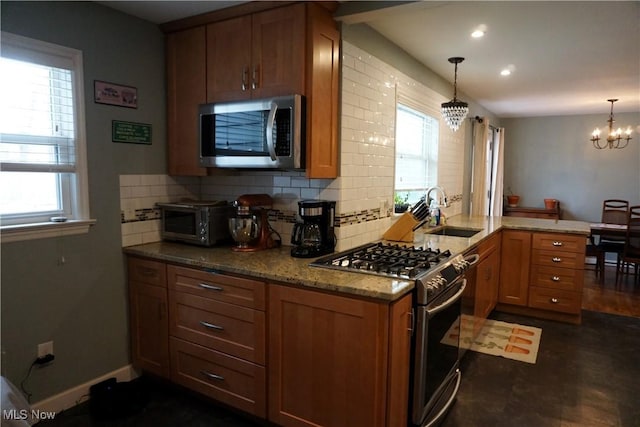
(45, 348)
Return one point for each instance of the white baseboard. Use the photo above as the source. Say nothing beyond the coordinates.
(71, 397)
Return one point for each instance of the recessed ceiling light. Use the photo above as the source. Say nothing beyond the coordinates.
(506, 71)
(479, 31)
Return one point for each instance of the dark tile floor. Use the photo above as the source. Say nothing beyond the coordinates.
(587, 376)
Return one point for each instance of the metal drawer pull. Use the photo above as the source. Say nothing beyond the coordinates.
(210, 287)
(245, 72)
(556, 259)
(146, 271)
(211, 326)
(555, 278)
(557, 243)
(212, 376)
(554, 300)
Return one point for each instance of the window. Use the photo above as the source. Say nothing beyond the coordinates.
(42, 147)
(416, 153)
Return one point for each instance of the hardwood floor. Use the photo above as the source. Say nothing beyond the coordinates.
(608, 297)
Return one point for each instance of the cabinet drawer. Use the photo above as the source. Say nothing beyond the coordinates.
(234, 290)
(562, 242)
(230, 380)
(147, 271)
(568, 279)
(555, 299)
(555, 258)
(235, 330)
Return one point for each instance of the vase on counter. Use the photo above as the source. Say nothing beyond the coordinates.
(513, 200)
(550, 203)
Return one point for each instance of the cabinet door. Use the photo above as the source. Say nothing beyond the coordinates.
(322, 95)
(514, 268)
(228, 58)
(186, 89)
(149, 328)
(487, 274)
(327, 359)
(278, 52)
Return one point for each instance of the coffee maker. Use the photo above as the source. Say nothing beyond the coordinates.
(250, 226)
(314, 236)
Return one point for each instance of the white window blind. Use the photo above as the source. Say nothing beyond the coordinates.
(416, 152)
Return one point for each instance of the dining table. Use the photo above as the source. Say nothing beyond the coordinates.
(600, 228)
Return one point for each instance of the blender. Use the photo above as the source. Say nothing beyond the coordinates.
(314, 236)
(250, 227)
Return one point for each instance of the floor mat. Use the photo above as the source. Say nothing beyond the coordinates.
(509, 340)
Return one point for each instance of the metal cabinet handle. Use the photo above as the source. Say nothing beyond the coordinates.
(557, 243)
(147, 271)
(212, 376)
(554, 300)
(211, 326)
(245, 74)
(555, 278)
(210, 287)
(254, 77)
(556, 259)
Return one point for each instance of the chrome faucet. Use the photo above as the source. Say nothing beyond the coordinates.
(443, 202)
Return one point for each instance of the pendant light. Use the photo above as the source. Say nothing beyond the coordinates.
(454, 111)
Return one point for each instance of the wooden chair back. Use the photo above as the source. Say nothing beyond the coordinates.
(614, 211)
(632, 240)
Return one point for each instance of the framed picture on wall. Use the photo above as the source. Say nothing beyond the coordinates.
(114, 94)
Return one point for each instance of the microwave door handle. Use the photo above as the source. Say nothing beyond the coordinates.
(270, 124)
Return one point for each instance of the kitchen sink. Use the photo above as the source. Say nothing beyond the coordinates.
(455, 232)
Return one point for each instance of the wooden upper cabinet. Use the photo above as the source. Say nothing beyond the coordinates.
(292, 49)
(256, 56)
(186, 90)
(228, 57)
(322, 154)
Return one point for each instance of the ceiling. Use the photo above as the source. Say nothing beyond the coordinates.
(567, 57)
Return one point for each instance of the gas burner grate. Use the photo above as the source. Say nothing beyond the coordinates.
(385, 259)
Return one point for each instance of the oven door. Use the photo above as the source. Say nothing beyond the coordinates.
(436, 376)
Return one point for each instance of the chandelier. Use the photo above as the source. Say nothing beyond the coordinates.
(454, 111)
(614, 137)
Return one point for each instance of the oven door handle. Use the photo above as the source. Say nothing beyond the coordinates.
(432, 311)
(270, 125)
(438, 417)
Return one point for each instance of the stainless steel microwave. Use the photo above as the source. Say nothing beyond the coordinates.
(260, 134)
(203, 223)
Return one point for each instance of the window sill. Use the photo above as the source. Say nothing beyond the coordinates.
(43, 230)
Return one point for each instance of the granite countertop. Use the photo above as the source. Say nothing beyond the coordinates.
(277, 265)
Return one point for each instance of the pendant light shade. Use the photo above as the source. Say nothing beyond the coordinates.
(454, 111)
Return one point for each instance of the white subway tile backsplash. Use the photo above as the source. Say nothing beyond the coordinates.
(367, 163)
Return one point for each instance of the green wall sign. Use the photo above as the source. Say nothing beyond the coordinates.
(133, 133)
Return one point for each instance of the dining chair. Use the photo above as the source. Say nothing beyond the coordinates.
(614, 211)
(631, 251)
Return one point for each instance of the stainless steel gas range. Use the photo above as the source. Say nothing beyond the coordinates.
(439, 285)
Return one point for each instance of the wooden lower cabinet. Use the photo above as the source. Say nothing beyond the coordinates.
(487, 277)
(514, 267)
(542, 274)
(228, 379)
(296, 357)
(149, 319)
(329, 359)
(218, 332)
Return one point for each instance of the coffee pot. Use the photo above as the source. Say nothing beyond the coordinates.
(250, 226)
(314, 236)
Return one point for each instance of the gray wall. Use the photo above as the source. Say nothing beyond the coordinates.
(82, 305)
(552, 157)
